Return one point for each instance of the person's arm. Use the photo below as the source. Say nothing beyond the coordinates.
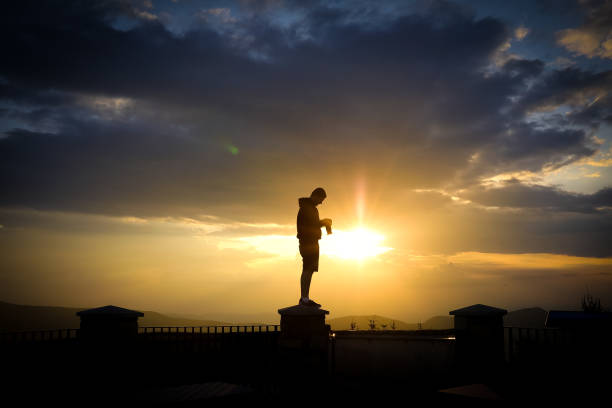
(325, 222)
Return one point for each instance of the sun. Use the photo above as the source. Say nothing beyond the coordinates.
(358, 243)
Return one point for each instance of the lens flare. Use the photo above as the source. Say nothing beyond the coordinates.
(359, 243)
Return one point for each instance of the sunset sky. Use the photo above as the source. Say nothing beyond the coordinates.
(152, 154)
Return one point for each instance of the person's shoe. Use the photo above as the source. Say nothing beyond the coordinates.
(308, 302)
(313, 303)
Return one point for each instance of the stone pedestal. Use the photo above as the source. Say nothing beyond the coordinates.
(304, 327)
(479, 333)
(304, 345)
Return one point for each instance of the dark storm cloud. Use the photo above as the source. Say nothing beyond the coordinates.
(203, 67)
(524, 147)
(27, 96)
(523, 68)
(517, 195)
(465, 228)
(413, 81)
(80, 51)
(411, 96)
(83, 170)
(586, 91)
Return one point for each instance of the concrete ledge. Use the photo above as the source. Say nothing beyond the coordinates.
(301, 310)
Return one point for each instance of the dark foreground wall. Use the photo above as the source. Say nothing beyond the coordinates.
(395, 356)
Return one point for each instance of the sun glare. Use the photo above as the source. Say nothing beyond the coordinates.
(358, 243)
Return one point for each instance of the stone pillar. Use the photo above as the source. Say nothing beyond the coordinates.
(108, 360)
(304, 327)
(108, 326)
(479, 333)
(303, 347)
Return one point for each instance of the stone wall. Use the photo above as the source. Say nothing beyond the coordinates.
(393, 355)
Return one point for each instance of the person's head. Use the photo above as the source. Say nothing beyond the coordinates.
(318, 195)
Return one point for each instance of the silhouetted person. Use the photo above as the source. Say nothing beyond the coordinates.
(309, 233)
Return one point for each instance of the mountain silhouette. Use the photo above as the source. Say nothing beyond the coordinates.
(14, 317)
(24, 317)
(362, 323)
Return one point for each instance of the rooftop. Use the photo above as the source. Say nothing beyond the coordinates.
(110, 310)
(478, 310)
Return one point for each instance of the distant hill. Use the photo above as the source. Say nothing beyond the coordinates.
(439, 323)
(533, 317)
(362, 322)
(236, 318)
(23, 318)
(344, 323)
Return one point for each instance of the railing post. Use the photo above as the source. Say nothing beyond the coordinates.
(510, 345)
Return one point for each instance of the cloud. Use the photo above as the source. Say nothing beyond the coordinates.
(386, 94)
(593, 38)
(521, 32)
(139, 122)
(569, 86)
(582, 94)
(224, 15)
(514, 194)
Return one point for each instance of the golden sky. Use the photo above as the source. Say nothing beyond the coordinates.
(152, 155)
(215, 266)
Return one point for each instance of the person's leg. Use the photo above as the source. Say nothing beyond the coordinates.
(305, 282)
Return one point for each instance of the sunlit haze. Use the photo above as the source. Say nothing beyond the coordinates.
(152, 155)
(358, 243)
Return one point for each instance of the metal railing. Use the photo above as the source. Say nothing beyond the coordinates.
(37, 336)
(209, 330)
(158, 332)
(522, 342)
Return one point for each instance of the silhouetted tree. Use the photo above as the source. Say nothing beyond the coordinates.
(353, 325)
(393, 325)
(420, 325)
(383, 325)
(591, 304)
(372, 324)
